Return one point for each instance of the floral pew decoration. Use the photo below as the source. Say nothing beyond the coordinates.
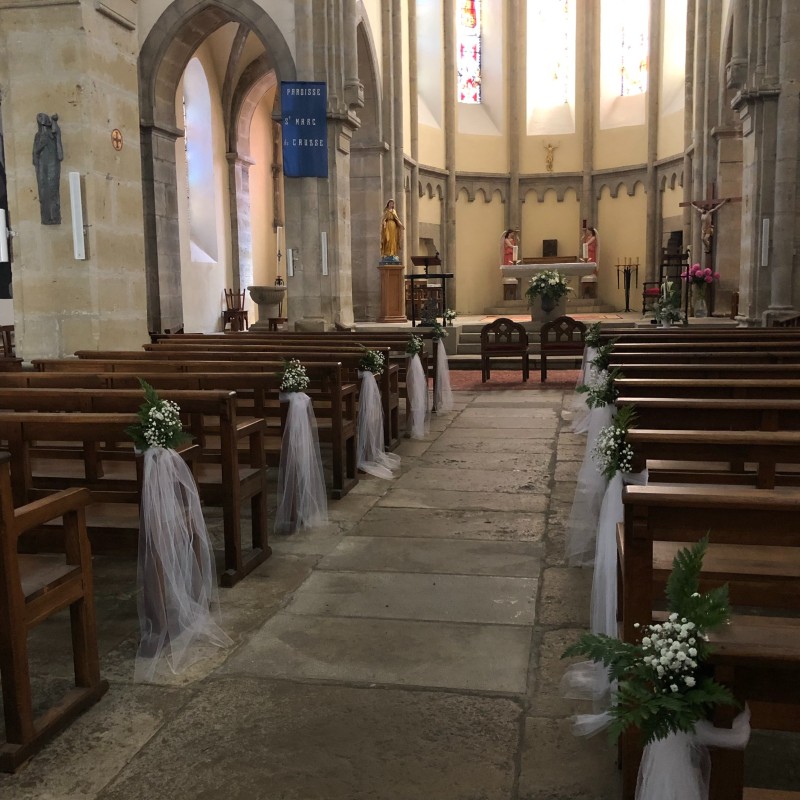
(371, 452)
(302, 499)
(591, 354)
(418, 422)
(442, 391)
(177, 598)
(612, 457)
(591, 485)
(662, 687)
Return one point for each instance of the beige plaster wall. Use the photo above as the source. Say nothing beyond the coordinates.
(431, 146)
(621, 225)
(430, 209)
(203, 283)
(670, 134)
(550, 220)
(480, 225)
(86, 74)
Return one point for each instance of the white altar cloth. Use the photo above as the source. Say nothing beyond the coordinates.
(524, 272)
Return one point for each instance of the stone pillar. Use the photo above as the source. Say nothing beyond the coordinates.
(699, 119)
(785, 237)
(588, 200)
(450, 122)
(652, 235)
(688, 126)
(353, 88)
(516, 71)
(412, 226)
(398, 162)
(387, 107)
(241, 231)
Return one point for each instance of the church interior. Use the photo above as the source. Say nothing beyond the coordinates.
(156, 179)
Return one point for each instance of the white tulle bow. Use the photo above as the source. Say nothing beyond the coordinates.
(371, 455)
(176, 575)
(443, 394)
(302, 499)
(417, 391)
(580, 421)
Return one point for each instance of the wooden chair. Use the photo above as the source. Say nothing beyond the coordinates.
(504, 339)
(234, 313)
(7, 340)
(33, 588)
(563, 336)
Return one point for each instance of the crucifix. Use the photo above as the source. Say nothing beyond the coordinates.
(707, 208)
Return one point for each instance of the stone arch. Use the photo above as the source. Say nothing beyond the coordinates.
(169, 45)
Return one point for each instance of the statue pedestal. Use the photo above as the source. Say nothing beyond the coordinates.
(392, 293)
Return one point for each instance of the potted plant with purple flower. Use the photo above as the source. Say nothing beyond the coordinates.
(699, 278)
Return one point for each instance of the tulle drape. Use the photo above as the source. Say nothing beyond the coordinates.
(580, 420)
(443, 394)
(176, 575)
(302, 499)
(417, 390)
(679, 767)
(372, 456)
(589, 491)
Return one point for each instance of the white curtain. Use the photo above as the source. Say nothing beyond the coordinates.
(418, 422)
(443, 394)
(302, 499)
(371, 455)
(176, 576)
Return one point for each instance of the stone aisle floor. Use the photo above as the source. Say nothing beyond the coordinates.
(407, 651)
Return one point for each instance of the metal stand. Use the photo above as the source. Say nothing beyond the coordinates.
(628, 267)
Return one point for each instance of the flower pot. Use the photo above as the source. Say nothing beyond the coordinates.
(548, 303)
(699, 307)
(546, 308)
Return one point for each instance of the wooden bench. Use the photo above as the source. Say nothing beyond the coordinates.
(210, 361)
(563, 336)
(758, 655)
(226, 484)
(256, 394)
(750, 370)
(711, 388)
(34, 588)
(504, 338)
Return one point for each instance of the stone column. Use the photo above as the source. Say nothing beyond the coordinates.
(387, 107)
(398, 163)
(450, 122)
(241, 231)
(699, 119)
(412, 222)
(588, 200)
(784, 235)
(353, 88)
(516, 72)
(652, 240)
(688, 125)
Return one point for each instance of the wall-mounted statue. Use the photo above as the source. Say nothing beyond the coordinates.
(47, 156)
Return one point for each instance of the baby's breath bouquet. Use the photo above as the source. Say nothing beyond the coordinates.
(159, 422)
(662, 685)
(414, 345)
(437, 331)
(449, 315)
(294, 377)
(599, 389)
(372, 361)
(612, 453)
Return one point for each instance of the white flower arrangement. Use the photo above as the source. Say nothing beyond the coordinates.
(372, 361)
(159, 422)
(663, 685)
(548, 282)
(295, 378)
(599, 388)
(414, 346)
(449, 315)
(612, 453)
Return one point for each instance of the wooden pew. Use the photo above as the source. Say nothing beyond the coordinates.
(208, 361)
(334, 402)
(711, 388)
(734, 414)
(759, 655)
(227, 484)
(750, 370)
(33, 588)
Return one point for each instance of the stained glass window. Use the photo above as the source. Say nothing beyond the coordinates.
(468, 53)
(633, 50)
(551, 66)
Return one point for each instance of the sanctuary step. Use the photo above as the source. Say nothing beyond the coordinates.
(515, 308)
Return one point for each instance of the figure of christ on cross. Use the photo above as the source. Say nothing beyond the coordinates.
(707, 209)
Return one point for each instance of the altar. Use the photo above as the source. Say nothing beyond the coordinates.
(519, 275)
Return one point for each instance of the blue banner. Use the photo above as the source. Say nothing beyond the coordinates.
(305, 129)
